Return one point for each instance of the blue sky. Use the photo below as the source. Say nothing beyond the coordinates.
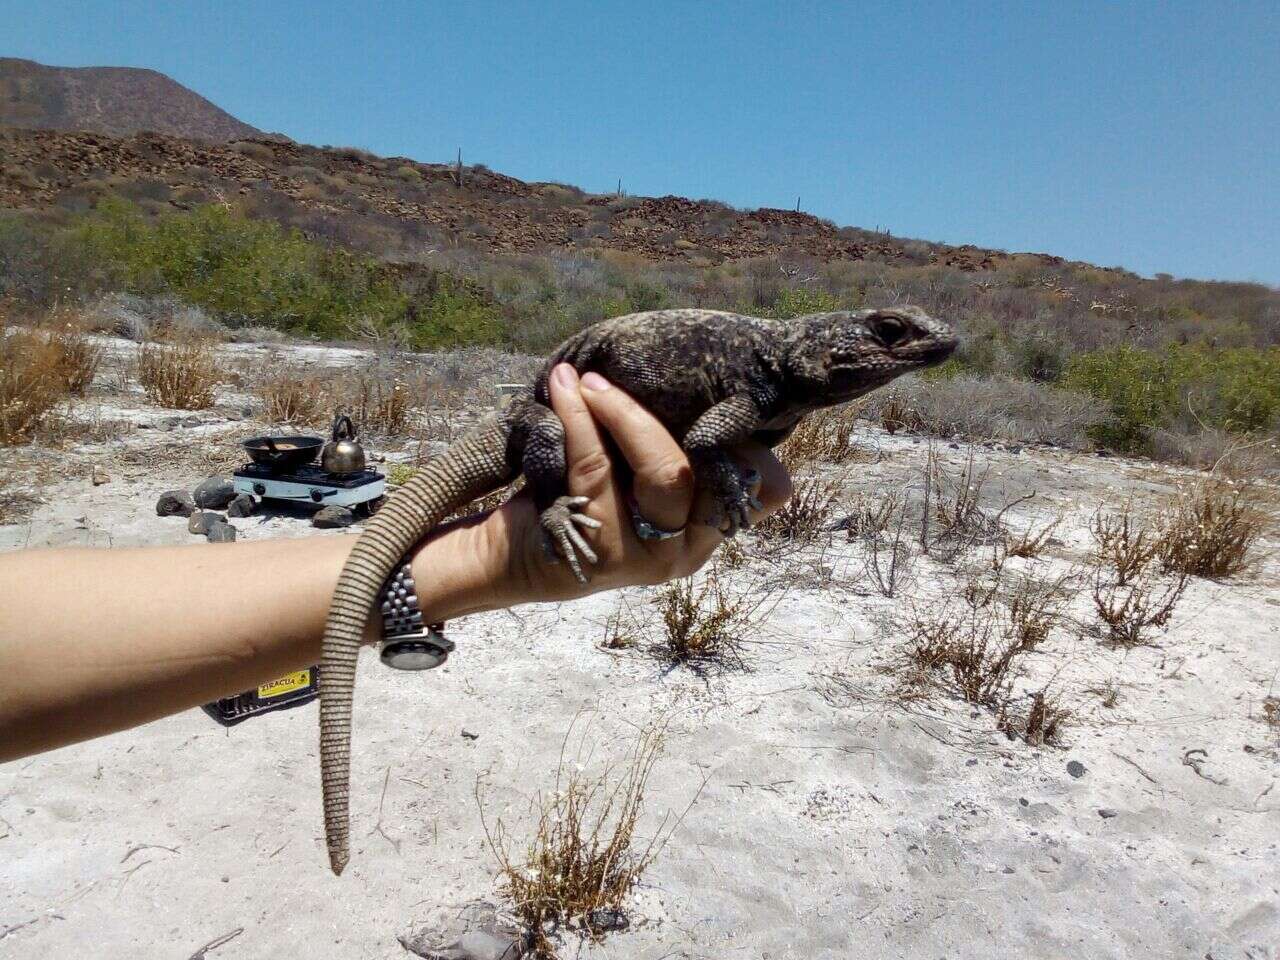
(1145, 135)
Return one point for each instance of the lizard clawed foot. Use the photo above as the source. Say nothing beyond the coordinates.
(733, 494)
(562, 536)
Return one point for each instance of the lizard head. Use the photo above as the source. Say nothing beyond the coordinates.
(833, 357)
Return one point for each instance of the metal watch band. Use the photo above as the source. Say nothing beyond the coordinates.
(407, 642)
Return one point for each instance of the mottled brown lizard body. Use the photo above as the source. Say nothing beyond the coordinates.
(713, 379)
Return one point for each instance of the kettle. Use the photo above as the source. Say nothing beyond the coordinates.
(342, 456)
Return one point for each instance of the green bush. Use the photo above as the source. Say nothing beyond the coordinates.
(454, 314)
(797, 301)
(1236, 390)
(251, 270)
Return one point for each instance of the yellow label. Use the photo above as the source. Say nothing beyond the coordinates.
(286, 684)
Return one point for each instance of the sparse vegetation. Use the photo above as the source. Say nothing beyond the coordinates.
(582, 859)
(807, 515)
(825, 436)
(972, 646)
(1131, 611)
(706, 621)
(1122, 544)
(1210, 529)
(180, 375)
(293, 395)
(33, 383)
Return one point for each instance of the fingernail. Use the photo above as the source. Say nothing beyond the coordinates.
(565, 375)
(593, 381)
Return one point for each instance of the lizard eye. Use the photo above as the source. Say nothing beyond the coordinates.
(890, 331)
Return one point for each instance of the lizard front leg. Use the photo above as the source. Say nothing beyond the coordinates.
(546, 471)
(729, 422)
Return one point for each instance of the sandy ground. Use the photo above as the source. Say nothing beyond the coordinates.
(825, 825)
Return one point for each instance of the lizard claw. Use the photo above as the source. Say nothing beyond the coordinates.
(733, 491)
(560, 523)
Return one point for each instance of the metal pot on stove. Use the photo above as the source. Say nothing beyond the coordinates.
(342, 455)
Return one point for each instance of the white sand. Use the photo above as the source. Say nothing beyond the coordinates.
(824, 830)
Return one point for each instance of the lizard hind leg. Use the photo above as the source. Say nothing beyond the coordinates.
(560, 515)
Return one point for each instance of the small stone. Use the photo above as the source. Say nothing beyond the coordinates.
(221, 532)
(214, 493)
(99, 476)
(226, 879)
(1024, 801)
(1007, 870)
(468, 735)
(202, 521)
(606, 919)
(175, 503)
(1106, 813)
(332, 517)
(192, 421)
(241, 506)
(1076, 769)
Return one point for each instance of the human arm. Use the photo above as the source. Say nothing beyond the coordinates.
(93, 641)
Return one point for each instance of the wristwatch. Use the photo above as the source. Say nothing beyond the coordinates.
(407, 642)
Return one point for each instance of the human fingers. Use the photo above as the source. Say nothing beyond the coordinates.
(589, 467)
(662, 477)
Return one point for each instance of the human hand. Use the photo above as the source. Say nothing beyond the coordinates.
(661, 480)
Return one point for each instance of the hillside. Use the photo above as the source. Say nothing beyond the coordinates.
(373, 202)
(113, 100)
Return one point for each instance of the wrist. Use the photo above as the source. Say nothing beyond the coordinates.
(465, 568)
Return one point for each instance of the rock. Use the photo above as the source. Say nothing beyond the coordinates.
(192, 421)
(203, 521)
(468, 735)
(221, 532)
(175, 503)
(214, 493)
(241, 506)
(1076, 769)
(604, 919)
(329, 518)
(99, 476)
(1106, 813)
(477, 933)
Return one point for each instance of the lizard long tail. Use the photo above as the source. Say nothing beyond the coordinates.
(471, 467)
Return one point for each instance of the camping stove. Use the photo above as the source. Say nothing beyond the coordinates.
(309, 484)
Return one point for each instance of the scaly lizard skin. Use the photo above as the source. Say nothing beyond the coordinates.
(713, 379)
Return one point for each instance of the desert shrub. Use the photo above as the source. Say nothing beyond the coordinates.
(78, 356)
(1012, 411)
(408, 173)
(294, 395)
(973, 646)
(1236, 390)
(706, 624)
(33, 382)
(453, 314)
(582, 858)
(378, 399)
(239, 268)
(797, 301)
(823, 436)
(1122, 543)
(181, 375)
(807, 514)
(1128, 612)
(1210, 529)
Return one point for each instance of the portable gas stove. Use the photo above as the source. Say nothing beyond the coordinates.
(309, 484)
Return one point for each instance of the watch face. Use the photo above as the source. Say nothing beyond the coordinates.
(413, 654)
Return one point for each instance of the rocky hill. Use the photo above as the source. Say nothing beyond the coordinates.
(112, 100)
(381, 203)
